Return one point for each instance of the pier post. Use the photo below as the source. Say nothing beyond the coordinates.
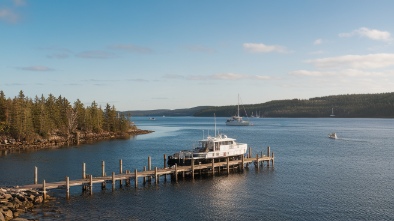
(192, 165)
(113, 181)
(144, 176)
(250, 152)
(156, 181)
(242, 162)
(35, 175)
(176, 173)
(103, 168)
(213, 167)
(272, 159)
(228, 165)
(165, 160)
(268, 154)
(120, 166)
(136, 178)
(257, 161)
(44, 191)
(83, 170)
(67, 187)
(91, 185)
(149, 168)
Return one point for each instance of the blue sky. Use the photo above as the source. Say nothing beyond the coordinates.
(154, 54)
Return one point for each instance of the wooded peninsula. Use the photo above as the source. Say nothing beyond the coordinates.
(43, 122)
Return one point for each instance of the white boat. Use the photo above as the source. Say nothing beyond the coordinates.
(237, 120)
(333, 136)
(218, 148)
(332, 112)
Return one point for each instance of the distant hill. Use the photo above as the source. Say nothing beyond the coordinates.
(344, 106)
(167, 112)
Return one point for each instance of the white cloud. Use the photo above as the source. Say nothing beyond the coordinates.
(95, 54)
(373, 34)
(8, 16)
(36, 68)
(370, 61)
(262, 48)
(341, 73)
(318, 41)
(132, 48)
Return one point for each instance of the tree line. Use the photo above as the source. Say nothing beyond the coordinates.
(27, 119)
(346, 106)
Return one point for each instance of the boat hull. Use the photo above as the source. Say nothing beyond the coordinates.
(171, 161)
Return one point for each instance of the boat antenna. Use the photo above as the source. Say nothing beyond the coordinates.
(214, 115)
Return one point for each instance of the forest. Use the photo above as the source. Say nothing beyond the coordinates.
(344, 106)
(26, 119)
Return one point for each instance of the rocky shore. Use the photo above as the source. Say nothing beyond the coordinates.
(56, 140)
(16, 202)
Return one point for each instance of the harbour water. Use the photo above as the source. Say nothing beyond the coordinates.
(314, 178)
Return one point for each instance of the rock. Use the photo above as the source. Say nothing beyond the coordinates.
(8, 214)
(1, 215)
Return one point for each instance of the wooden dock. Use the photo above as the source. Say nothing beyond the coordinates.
(213, 168)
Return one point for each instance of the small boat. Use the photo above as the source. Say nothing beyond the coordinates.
(237, 120)
(216, 148)
(333, 136)
(152, 118)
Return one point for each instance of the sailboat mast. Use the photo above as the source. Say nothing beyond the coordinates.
(238, 105)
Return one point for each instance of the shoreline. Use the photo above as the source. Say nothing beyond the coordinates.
(10, 145)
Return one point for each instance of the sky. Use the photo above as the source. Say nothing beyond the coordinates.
(171, 54)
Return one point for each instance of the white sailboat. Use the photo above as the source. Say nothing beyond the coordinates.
(237, 120)
(332, 112)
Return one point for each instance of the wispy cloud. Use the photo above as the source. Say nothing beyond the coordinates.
(318, 41)
(370, 61)
(262, 48)
(95, 54)
(36, 68)
(8, 15)
(132, 48)
(373, 34)
(341, 73)
(221, 76)
(19, 2)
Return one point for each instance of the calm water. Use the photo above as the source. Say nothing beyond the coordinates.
(314, 178)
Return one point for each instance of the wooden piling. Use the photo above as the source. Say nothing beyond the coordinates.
(44, 191)
(242, 162)
(156, 180)
(103, 168)
(144, 176)
(67, 188)
(120, 166)
(136, 178)
(113, 181)
(91, 185)
(165, 161)
(176, 173)
(228, 165)
(83, 170)
(213, 167)
(272, 159)
(192, 167)
(257, 161)
(35, 175)
(250, 152)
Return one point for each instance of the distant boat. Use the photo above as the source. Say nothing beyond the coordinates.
(333, 136)
(152, 118)
(237, 120)
(332, 112)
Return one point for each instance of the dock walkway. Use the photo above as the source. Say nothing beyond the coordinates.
(87, 181)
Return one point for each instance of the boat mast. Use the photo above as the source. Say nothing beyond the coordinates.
(238, 105)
